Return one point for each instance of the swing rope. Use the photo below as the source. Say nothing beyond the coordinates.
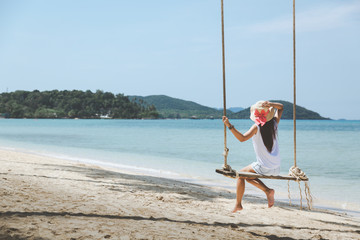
(226, 149)
(294, 171)
(294, 82)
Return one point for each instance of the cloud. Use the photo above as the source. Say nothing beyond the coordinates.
(320, 18)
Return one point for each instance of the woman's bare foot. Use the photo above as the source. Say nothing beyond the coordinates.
(237, 208)
(270, 197)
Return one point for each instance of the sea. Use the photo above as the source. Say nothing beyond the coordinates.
(328, 151)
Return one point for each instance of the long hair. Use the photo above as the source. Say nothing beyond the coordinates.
(268, 133)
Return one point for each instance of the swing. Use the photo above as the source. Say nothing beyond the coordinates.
(295, 174)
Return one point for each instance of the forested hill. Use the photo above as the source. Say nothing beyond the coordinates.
(169, 107)
(72, 104)
(301, 112)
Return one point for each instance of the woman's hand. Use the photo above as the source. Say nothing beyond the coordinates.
(226, 121)
(266, 104)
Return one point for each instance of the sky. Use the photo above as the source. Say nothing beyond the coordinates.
(143, 47)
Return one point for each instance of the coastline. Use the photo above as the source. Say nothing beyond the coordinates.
(50, 198)
(220, 183)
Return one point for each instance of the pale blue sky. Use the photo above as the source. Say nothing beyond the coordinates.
(147, 47)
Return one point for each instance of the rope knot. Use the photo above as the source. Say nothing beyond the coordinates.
(228, 168)
(300, 175)
(226, 152)
(297, 173)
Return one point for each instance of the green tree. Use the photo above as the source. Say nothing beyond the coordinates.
(73, 104)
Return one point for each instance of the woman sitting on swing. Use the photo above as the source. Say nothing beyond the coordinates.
(264, 136)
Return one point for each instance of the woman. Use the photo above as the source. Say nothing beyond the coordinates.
(264, 136)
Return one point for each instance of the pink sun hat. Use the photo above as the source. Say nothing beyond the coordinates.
(261, 115)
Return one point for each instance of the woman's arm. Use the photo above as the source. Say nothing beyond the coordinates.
(278, 106)
(241, 137)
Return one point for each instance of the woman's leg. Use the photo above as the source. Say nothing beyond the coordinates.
(268, 191)
(240, 189)
(259, 184)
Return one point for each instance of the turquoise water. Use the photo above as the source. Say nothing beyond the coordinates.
(190, 150)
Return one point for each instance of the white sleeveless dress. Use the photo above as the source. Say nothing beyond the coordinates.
(267, 163)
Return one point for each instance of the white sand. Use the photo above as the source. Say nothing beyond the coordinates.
(47, 198)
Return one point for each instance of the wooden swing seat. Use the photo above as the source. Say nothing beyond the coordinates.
(250, 175)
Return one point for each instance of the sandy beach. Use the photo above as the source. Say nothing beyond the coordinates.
(48, 198)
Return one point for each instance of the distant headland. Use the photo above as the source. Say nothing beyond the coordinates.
(169, 107)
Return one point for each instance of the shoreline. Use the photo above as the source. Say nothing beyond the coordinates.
(48, 198)
(133, 170)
